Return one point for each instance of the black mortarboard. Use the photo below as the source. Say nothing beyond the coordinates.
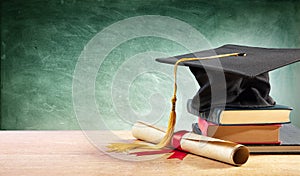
(246, 77)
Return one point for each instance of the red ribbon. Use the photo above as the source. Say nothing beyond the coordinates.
(177, 152)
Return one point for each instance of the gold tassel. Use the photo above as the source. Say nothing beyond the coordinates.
(124, 147)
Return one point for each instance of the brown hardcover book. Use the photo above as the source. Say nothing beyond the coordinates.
(290, 142)
(244, 134)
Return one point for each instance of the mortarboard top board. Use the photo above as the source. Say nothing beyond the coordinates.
(246, 76)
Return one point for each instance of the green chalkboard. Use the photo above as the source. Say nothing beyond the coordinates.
(41, 42)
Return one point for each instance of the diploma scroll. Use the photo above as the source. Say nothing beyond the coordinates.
(225, 151)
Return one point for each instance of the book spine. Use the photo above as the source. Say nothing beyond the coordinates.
(260, 143)
(205, 125)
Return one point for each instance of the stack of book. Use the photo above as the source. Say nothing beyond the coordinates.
(252, 127)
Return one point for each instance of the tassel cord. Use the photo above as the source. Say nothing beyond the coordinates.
(121, 147)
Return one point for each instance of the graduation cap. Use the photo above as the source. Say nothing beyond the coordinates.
(245, 70)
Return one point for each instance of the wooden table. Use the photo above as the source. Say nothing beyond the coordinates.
(70, 153)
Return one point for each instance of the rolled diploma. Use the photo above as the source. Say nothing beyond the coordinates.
(225, 151)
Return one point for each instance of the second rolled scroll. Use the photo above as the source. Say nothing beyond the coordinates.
(224, 151)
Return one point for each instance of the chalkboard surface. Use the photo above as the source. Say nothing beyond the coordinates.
(41, 42)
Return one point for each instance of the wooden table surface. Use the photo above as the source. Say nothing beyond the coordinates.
(70, 153)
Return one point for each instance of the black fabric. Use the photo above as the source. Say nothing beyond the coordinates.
(196, 129)
(239, 91)
(257, 60)
(240, 81)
